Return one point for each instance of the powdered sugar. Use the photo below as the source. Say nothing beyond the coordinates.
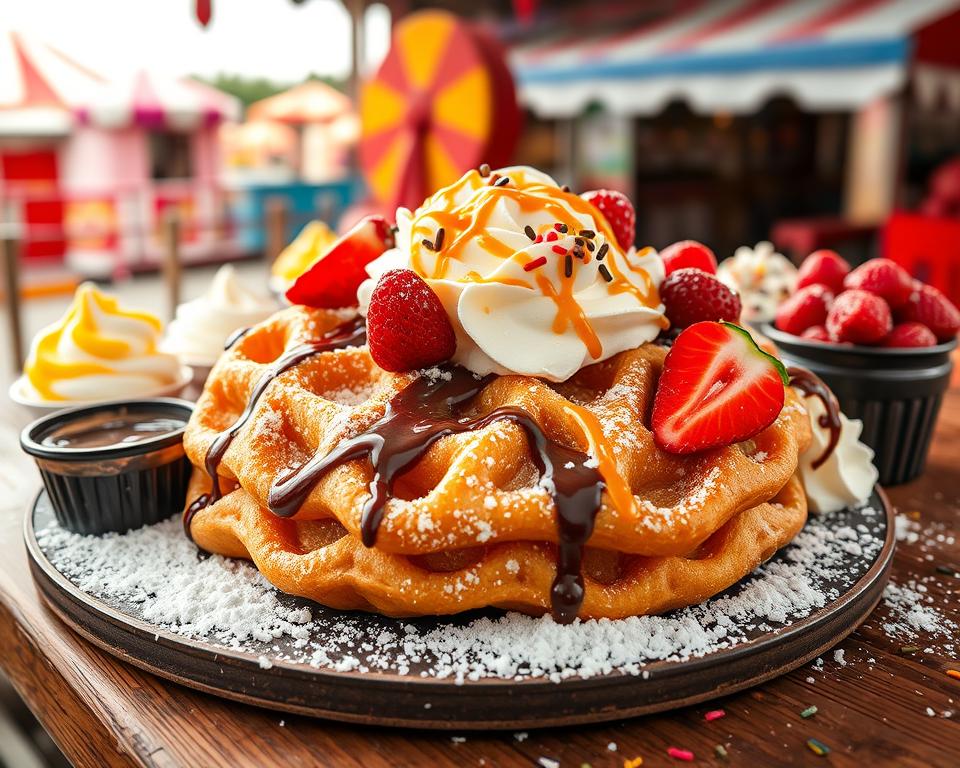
(156, 574)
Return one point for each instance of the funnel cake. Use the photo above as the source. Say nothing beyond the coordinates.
(488, 511)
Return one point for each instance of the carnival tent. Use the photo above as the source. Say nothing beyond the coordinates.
(151, 101)
(40, 87)
(327, 123)
(733, 55)
(310, 102)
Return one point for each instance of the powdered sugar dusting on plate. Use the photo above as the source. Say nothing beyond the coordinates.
(156, 574)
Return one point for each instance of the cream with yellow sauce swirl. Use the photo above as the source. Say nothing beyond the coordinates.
(520, 306)
(98, 351)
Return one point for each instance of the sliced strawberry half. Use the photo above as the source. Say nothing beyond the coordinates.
(717, 388)
(333, 280)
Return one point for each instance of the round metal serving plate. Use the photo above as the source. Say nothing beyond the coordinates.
(389, 698)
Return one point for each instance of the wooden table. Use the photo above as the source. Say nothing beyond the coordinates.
(103, 712)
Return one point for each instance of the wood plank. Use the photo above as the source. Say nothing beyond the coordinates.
(103, 712)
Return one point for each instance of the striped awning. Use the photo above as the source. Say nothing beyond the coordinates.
(731, 56)
(39, 87)
(153, 101)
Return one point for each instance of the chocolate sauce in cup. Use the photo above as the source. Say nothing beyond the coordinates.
(113, 466)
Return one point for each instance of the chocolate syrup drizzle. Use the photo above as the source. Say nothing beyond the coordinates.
(423, 413)
(350, 334)
(811, 384)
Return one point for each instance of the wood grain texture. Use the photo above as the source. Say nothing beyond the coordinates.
(104, 712)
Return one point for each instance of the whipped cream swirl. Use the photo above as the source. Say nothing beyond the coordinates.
(762, 277)
(847, 477)
(98, 351)
(201, 326)
(517, 305)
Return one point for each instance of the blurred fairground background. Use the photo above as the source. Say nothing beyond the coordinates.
(144, 143)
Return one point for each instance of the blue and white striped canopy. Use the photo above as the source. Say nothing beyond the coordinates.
(731, 55)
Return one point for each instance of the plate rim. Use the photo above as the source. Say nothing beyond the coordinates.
(49, 580)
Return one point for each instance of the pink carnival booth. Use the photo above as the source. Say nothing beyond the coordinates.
(89, 166)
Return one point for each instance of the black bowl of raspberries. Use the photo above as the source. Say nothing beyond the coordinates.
(882, 341)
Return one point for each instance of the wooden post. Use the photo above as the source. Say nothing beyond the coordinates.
(275, 227)
(9, 252)
(172, 268)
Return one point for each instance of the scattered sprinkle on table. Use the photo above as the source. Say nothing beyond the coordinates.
(818, 747)
(546, 762)
(714, 714)
(720, 751)
(521, 736)
(680, 754)
(458, 739)
(635, 763)
(954, 673)
(946, 569)
(930, 712)
(809, 711)
(612, 746)
(908, 649)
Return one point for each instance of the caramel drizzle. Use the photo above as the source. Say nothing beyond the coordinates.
(427, 411)
(350, 334)
(811, 384)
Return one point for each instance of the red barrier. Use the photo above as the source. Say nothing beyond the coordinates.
(928, 248)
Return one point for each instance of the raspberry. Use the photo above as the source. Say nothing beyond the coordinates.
(407, 326)
(816, 333)
(618, 211)
(824, 268)
(910, 334)
(928, 306)
(691, 295)
(859, 317)
(688, 253)
(805, 308)
(884, 278)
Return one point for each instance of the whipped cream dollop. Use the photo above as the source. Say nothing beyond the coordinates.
(98, 351)
(847, 477)
(762, 277)
(531, 276)
(202, 326)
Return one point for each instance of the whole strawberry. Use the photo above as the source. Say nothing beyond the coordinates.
(688, 253)
(910, 334)
(407, 326)
(928, 306)
(691, 295)
(816, 333)
(884, 278)
(823, 268)
(859, 317)
(807, 307)
(618, 211)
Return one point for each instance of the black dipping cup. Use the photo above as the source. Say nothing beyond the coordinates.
(116, 487)
(895, 392)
